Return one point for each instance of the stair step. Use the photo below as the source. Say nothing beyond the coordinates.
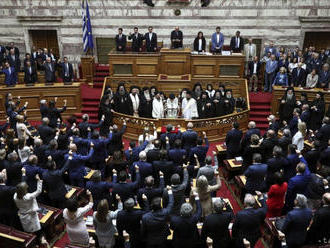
(102, 68)
(101, 74)
(260, 113)
(260, 107)
(89, 109)
(98, 79)
(262, 125)
(259, 119)
(90, 103)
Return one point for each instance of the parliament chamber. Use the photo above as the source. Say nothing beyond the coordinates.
(164, 124)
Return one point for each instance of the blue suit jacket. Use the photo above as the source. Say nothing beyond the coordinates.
(100, 148)
(295, 226)
(271, 66)
(324, 77)
(100, 190)
(267, 49)
(177, 156)
(201, 152)
(297, 185)
(233, 140)
(31, 172)
(281, 79)
(135, 152)
(10, 78)
(255, 175)
(215, 43)
(293, 125)
(77, 164)
(189, 139)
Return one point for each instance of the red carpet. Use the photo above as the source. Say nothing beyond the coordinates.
(260, 108)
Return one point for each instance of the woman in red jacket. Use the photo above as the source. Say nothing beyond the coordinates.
(276, 196)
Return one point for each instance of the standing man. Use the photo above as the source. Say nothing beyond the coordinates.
(14, 61)
(49, 68)
(120, 41)
(157, 107)
(151, 40)
(10, 75)
(189, 107)
(254, 72)
(217, 41)
(30, 74)
(67, 71)
(250, 51)
(137, 40)
(176, 38)
(236, 43)
(271, 67)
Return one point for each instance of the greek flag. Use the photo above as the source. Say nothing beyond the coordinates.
(87, 27)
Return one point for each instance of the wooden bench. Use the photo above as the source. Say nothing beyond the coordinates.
(12, 238)
(51, 221)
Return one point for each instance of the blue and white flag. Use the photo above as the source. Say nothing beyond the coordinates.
(87, 27)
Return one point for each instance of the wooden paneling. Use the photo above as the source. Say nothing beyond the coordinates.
(34, 94)
(103, 46)
(175, 62)
(88, 68)
(278, 93)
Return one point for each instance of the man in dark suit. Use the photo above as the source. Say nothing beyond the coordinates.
(298, 76)
(154, 225)
(10, 75)
(323, 134)
(8, 209)
(285, 141)
(297, 184)
(320, 228)
(67, 70)
(84, 126)
(14, 60)
(189, 138)
(184, 227)
(268, 144)
(248, 221)
(324, 76)
(215, 225)
(255, 175)
(254, 73)
(237, 43)
(53, 181)
(28, 58)
(275, 164)
(247, 137)
(126, 189)
(2, 54)
(120, 41)
(129, 220)
(49, 68)
(233, 140)
(149, 3)
(133, 151)
(30, 74)
(137, 40)
(200, 151)
(150, 190)
(176, 38)
(13, 170)
(296, 222)
(325, 157)
(154, 154)
(171, 135)
(165, 166)
(177, 154)
(151, 40)
(46, 132)
(12, 46)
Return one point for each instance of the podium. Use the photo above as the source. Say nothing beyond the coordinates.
(175, 61)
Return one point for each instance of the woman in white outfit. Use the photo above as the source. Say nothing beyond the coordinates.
(27, 205)
(299, 138)
(104, 228)
(75, 223)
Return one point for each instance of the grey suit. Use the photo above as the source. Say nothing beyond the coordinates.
(49, 72)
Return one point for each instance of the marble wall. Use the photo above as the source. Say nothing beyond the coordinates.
(283, 21)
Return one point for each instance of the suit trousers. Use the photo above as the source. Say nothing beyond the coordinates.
(269, 78)
(253, 85)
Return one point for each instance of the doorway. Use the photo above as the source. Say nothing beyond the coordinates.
(45, 39)
(320, 40)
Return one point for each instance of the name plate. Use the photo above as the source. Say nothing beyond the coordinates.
(230, 70)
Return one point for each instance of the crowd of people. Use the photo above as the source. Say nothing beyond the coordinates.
(157, 174)
(38, 59)
(197, 103)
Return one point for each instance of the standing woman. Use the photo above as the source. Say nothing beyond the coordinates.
(27, 206)
(317, 111)
(299, 138)
(199, 43)
(74, 219)
(276, 196)
(102, 220)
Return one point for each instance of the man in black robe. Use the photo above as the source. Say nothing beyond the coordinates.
(121, 100)
(204, 106)
(288, 103)
(217, 104)
(228, 103)
(145, 108)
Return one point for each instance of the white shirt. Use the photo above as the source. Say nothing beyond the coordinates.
(298, 140)
(255, 68)
(237, 42)
(218, 38)
(150, 36)
(157, 109)
(189, 108)
(200, 43)
(27, 210)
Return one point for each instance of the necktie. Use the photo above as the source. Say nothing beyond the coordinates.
(298, 72)
(9, 71)
(30, 70)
